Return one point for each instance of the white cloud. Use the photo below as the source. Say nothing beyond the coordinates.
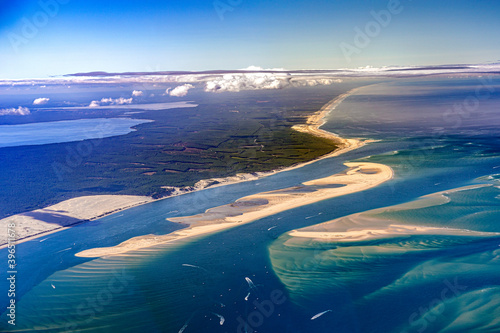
(257, 68)
(317, 82)
(20, 111)
(161, 79)
(122, 100)
(111, 101)
(137, 93)
(180, 91)
(253, 68)
(238, 82)
(256, 81)
(41, 100)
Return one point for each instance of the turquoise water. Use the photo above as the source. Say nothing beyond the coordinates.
(419, 281)
(65, 131)
(258, 279)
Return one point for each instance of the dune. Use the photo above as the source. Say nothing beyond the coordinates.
(65, 214)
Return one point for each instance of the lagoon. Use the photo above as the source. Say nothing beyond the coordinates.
(65, 131)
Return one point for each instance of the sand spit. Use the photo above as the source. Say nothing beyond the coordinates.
(312, 126)
(367, 225)
(393, 230)
(67, 213)
(360, 176)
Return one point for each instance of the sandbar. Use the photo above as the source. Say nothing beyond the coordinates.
(392, 230)
(368, 225)
(257, 206)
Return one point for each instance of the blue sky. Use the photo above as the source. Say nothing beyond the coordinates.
(90, 35)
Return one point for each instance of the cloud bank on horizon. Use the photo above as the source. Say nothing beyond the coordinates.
(251, 78)
(262, 81)
(256, 77)
(218, 81)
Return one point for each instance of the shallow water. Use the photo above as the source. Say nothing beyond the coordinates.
(396, 274)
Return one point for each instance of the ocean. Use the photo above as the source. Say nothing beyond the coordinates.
(439, 135)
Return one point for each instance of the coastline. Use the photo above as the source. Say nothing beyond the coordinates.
(358, 177)
(39, 228)
(312, 126)
(65, 214)
(366, 225)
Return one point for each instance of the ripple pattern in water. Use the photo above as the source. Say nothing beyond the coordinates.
(408, 268)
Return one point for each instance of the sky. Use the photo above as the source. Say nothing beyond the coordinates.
(44, 38)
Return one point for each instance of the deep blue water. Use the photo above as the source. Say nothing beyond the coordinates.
(151, 290)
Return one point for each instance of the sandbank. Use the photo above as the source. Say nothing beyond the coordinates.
(393, 230)
(257, 206)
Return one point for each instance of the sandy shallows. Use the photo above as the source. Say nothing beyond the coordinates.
(358, 177)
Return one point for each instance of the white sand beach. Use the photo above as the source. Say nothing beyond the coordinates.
(358, 177)
(66, 213)
(392, 230)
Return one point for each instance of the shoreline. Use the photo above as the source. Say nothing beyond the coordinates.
(65, 214)
(312, 126)
(391, 230)
(358, 177)
(364, 226)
